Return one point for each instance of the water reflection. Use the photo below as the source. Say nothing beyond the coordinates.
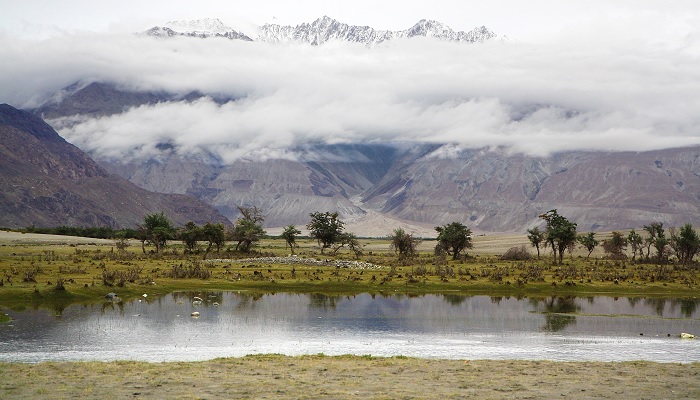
(555, 309)
(319, 300)
(448, 326)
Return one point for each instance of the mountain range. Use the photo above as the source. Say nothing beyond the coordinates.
(47, 182)
(379, 186)
(375, 185)
(318, 32)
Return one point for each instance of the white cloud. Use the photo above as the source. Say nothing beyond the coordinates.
(605, 93)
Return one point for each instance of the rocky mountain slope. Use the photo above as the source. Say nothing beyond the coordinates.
(326, 29)
(423, 185)
(46, 181)
(320, 31)
(489, 191)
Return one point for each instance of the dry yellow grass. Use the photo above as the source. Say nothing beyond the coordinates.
(350, 377)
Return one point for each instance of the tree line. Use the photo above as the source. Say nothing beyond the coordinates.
(559, 235)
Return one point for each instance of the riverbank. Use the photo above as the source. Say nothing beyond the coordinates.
(345, 377)
(54, 271)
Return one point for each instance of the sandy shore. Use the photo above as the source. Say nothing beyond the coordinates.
(347, 377)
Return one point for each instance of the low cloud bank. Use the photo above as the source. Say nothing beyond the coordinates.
(602, 94)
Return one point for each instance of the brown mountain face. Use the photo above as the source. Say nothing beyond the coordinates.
(412, 185)
(488, 191)
(46, 181)
(493, 191)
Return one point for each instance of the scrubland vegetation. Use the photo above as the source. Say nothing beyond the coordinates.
(36, 273)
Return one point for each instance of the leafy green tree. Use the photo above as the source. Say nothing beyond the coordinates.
(215, 235)
(615, 246)
(326, 228)
(686, 243)
(290, 235)
(248, 228)
(453, 238)
(589, 242)
(404, 244)
(190, 234)
(157, 230)
(349, 240)
(635, 241)
(560, 233)
(536, 237)
(656, 237)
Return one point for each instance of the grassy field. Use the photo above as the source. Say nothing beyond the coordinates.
(350, 377)
(38, 269)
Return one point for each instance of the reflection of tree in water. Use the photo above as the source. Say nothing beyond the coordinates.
(319, 300)
(247, 300)
(110, 305)
(455, 299)
(657, 304)
(58, 310)
(633, 301)
(554, 308)
(688, 306)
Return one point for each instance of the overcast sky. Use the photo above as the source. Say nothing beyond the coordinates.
(594, 74)
(515, 18)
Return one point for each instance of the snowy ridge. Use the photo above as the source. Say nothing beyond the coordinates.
(210, 26)
(327, 29)
(320, 31)
(201, 28)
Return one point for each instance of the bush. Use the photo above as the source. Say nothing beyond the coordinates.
(517, 253)
(194, 270)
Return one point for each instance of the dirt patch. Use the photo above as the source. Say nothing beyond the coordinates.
(36, 238)
(320, 377)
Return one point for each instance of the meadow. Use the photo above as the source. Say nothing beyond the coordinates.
(38, 270)
(44, 271)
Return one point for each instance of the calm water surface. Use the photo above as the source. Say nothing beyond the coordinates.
(431, 326)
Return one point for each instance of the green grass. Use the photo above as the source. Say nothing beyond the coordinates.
(30, 272)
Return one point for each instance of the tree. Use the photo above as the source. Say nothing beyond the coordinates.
(635, 241)
(326, 228)
(589, 242)
(453, 238)
(686, 243)
(349, 240)
(536, 237)
(189, 235)
(157, 230)
(404, 244)
(289, 235)
(615, 246)
(214, 234)
(560, 233)
(248, 228)
(656, 238)
(121, 241)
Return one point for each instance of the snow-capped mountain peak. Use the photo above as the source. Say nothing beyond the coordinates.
(202, 28)
(320, 31)
(205, 25)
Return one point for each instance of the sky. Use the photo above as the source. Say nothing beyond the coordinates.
(515, 18)
(573, 75)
